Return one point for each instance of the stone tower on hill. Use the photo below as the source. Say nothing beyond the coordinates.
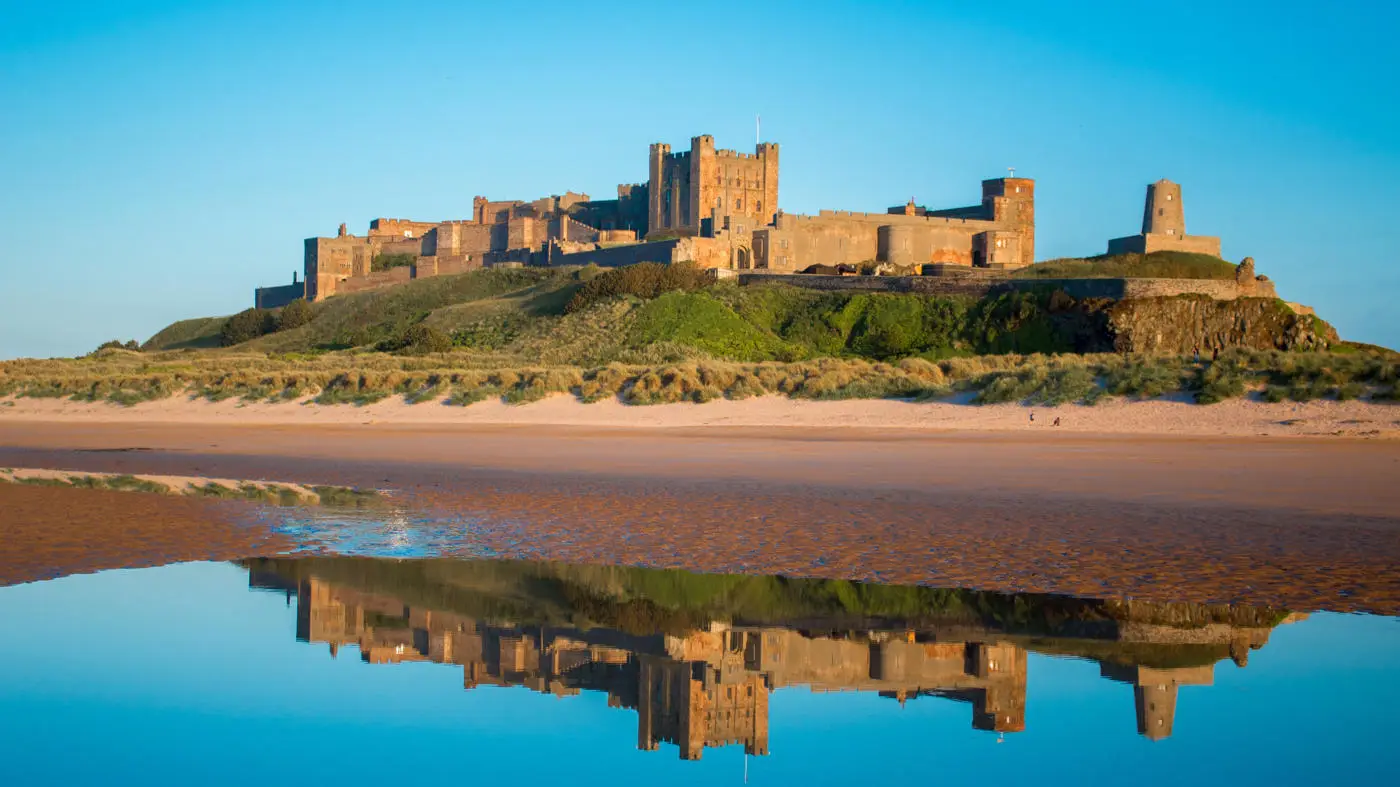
(1164, 226)
(1163, 215)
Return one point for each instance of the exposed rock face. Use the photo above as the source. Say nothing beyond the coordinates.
(1184, 324)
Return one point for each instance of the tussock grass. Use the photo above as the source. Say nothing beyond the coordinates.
(277, 494)
(670, 373)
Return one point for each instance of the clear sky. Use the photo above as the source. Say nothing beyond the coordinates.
(158, 160)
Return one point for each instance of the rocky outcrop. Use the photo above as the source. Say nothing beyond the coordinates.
(1186, 324)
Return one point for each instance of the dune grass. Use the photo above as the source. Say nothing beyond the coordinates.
(684, 375)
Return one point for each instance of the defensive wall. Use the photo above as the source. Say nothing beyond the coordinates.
(999, 233)
(977, 286)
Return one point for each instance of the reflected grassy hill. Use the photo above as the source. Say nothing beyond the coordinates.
(643, 601)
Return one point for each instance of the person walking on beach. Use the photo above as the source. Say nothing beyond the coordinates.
(1032, 416)
(1057, 421)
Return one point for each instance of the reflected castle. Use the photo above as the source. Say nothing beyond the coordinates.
(698, 673)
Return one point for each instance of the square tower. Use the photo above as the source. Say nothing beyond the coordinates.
(690, 186)
(1011, 203)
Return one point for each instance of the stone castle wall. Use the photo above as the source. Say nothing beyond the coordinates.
(998, 233)
(1148, 243)
(977, 286)
(373, 281)
(277, 297)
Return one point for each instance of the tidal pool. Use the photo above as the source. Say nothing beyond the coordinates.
(310, 670)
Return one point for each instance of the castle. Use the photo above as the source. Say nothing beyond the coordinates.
(719, 209)
(715, 207)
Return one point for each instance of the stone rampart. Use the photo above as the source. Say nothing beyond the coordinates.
(978, 285)
(971, 286)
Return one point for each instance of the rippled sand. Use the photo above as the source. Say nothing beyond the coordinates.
(47, 532)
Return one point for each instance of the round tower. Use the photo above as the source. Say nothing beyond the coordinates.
(895, 244)
(1163, 213)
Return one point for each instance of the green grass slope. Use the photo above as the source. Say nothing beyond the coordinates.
(199, 333)
(1157, 265)
(367, 318)
(653, 314)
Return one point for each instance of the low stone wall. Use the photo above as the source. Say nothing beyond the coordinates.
(374, 280)
(277, 297)
(971, 286)
(978, 284)
(617, 256)
(1123, 289)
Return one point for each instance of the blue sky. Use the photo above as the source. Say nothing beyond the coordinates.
(158, 160)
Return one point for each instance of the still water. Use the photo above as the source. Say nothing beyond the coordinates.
(304, 671)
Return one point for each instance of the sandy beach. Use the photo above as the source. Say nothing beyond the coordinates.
(1239, 417)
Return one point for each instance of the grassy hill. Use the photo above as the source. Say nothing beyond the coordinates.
(583, 317)
(650, 334)
(647, 601)
(199, 333)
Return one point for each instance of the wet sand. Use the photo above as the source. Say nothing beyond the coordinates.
(1324, 476)
(1307, 524)
(47, 532)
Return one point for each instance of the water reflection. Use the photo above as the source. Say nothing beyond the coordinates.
(696, 657)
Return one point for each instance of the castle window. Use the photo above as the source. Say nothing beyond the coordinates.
(1018, 189)
(1169, 198)
(739, 203)
(1171, 232)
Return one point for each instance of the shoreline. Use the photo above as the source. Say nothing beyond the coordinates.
(1236, 418)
